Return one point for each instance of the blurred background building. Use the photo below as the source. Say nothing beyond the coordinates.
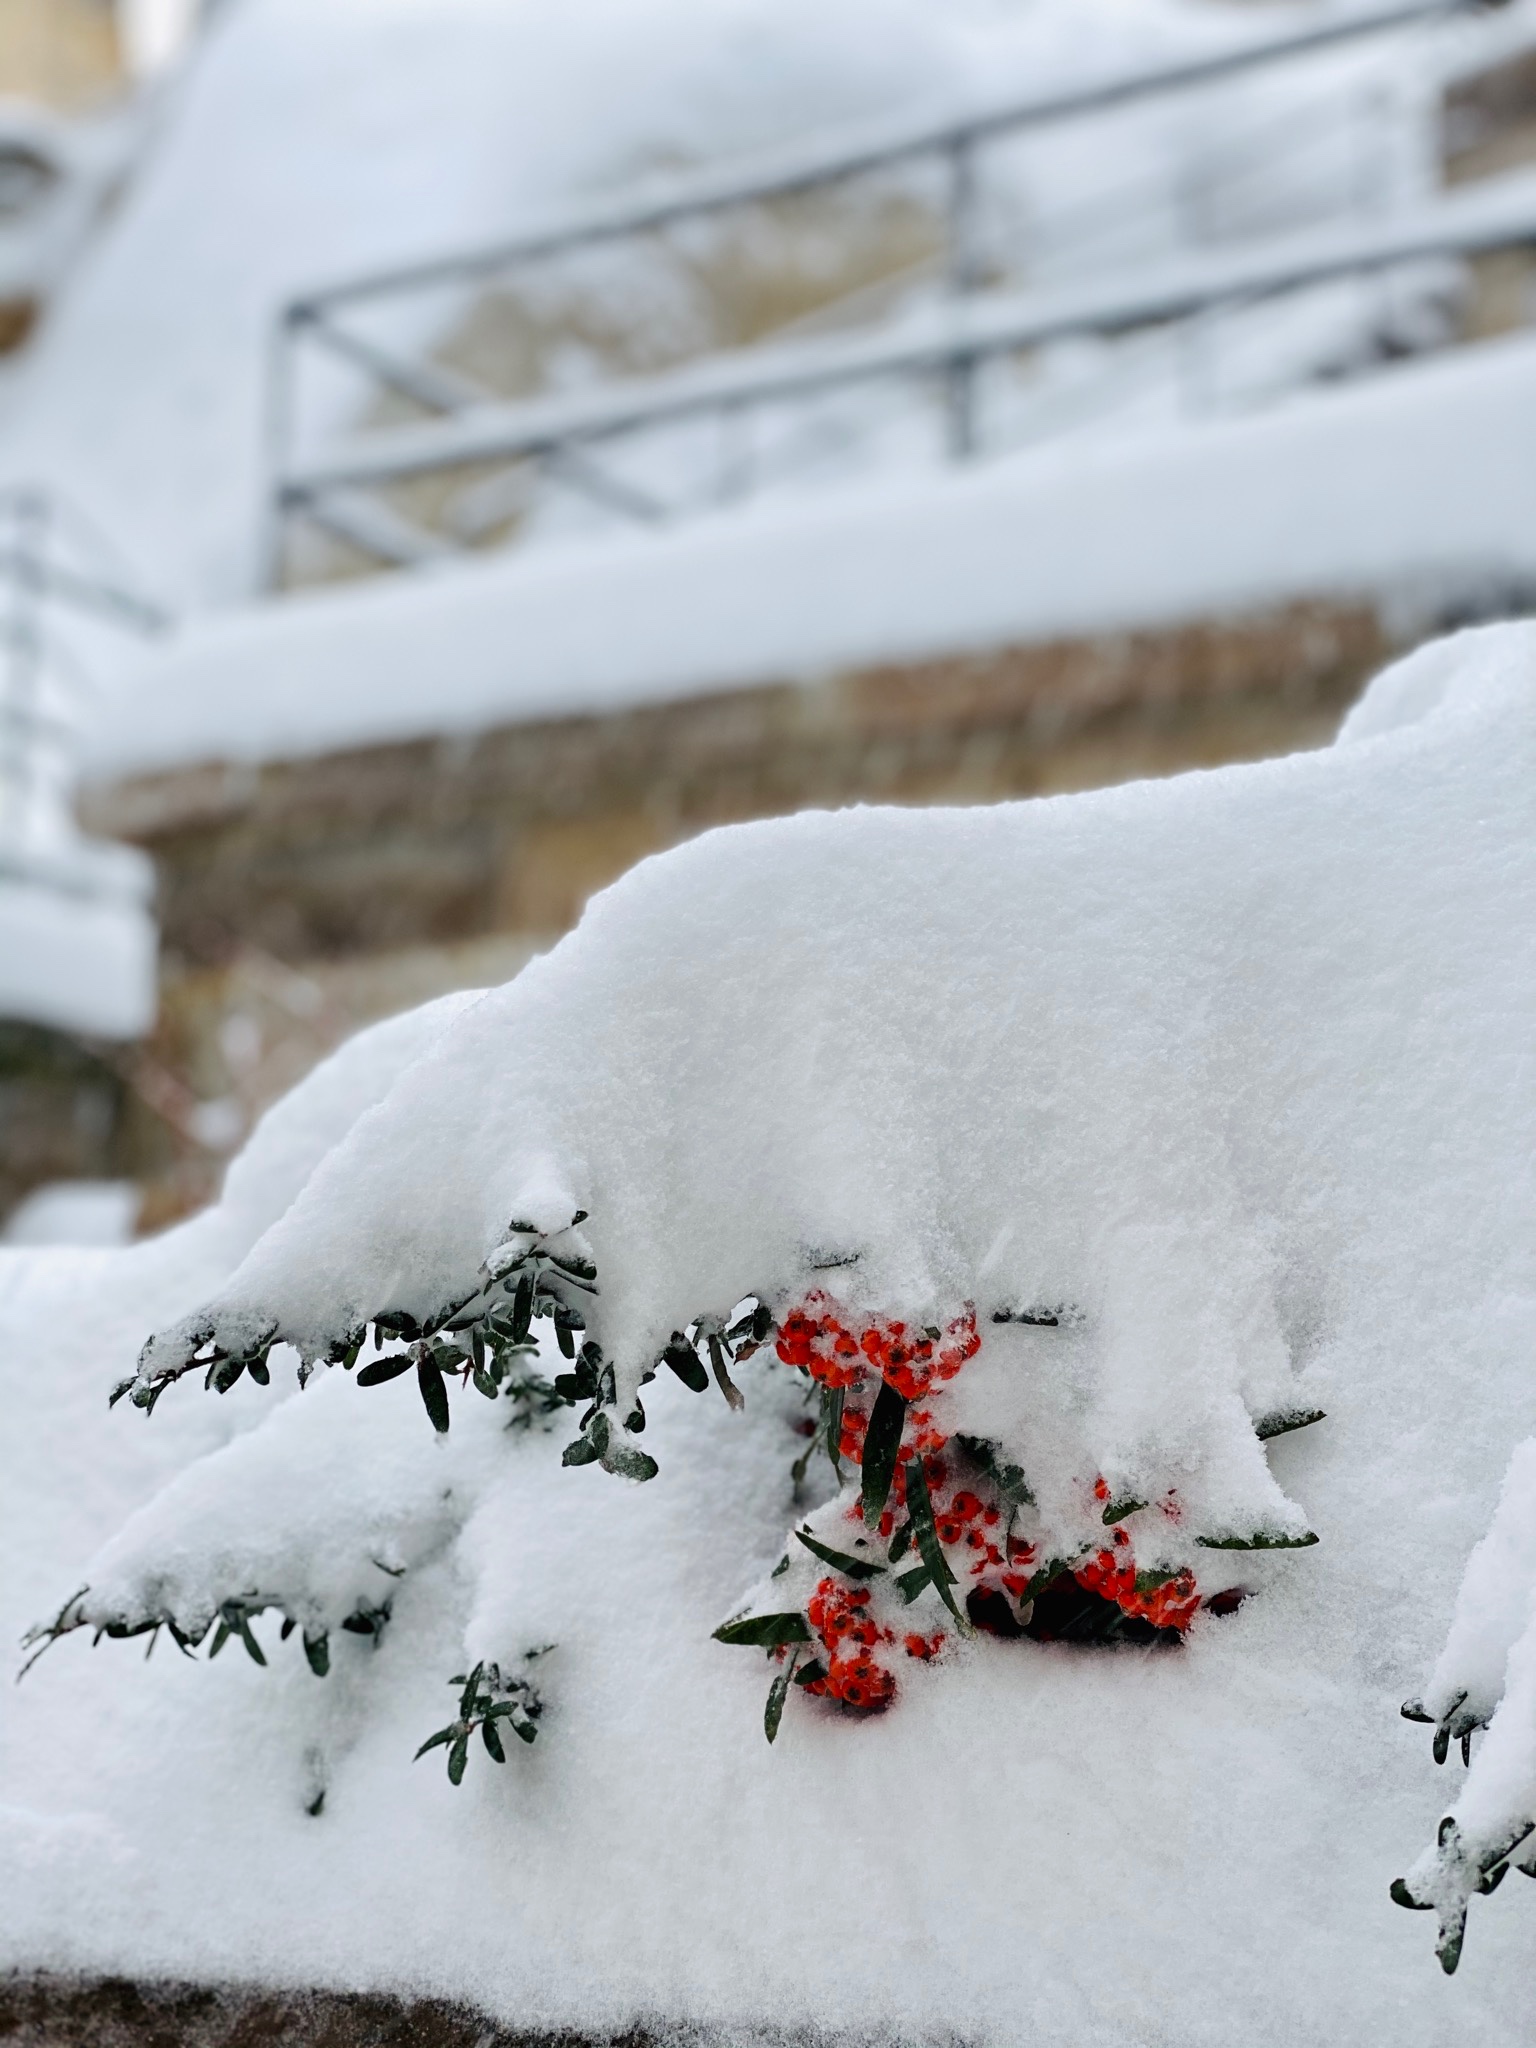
(450, 449)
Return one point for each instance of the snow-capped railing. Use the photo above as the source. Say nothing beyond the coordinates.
(318, 322)
(951, 338)
(77, 937)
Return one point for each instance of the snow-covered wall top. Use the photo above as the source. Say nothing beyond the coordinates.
(1421, 482)
(1204, 1105)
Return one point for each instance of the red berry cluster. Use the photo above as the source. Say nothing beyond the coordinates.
(852, 1356)
(1167, 1600)
(839, 1354)
(850, 1636)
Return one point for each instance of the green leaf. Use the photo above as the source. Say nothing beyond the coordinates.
(522, 1309)
(225, 1375)
(854, 1567)
(882, 1441)
(398, 1324)
(253, 1648)
(222, 1636)
(259, 1372)
(1008, 1479)
(434, 1741)
(685, 1362)
(901, 1543)
(434, 1395)
(600, 1433)
(493, 1741)
(630, 1463)
(1401, 1896)
(778, 1692)
(765, 1631)
(382, 1369)
(809, 1673)
(920, 1512)
(458, 1755)
(911, 1583)
(1287, 1419)
(580, 1452)
(1117, 1510)
(832, 1426)
(1266, 1539)
(318, 1650)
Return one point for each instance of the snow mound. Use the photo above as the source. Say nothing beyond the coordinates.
(1100, 1139)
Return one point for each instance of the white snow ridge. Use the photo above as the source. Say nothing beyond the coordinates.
(1073, 1152)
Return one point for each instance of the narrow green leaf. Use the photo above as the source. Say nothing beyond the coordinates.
(457, 1757)
(920, 1512)
(434, 1741)
(911, 1583)
(318, 1650)
(381, 1369)
(854, 1567)
(492, 1741)
(832, 1427)
(434, 1395)
(253, 1648)
(882, 1441)
(765, 1631)
(1007, 1478)
(778, 1692)
(1117, 1510)
(1265, 1540)
(1286, 1420)
(809, 1673)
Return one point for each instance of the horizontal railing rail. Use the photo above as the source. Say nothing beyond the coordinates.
(951, 334)
(934, 338)
(780, 173)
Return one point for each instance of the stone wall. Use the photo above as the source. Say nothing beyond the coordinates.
(300, 899)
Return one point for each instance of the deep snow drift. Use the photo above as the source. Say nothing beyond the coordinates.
(1227, 1075)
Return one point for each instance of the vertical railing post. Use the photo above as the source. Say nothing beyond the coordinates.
(25, 561)
(964, 274)
(277, 442)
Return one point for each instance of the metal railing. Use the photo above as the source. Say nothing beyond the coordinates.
(338, 493)
(51, 558)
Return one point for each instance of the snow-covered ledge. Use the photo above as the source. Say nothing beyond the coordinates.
(77, 941)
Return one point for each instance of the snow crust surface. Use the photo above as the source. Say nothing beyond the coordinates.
(1237, 1063)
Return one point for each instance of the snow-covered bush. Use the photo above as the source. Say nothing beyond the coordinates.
(1032, 1173)
(1485, 1677)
